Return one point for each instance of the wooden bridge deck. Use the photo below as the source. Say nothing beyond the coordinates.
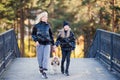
(80, 69)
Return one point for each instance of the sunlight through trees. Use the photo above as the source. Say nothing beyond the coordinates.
(85, 16)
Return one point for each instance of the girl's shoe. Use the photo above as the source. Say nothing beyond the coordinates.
(67, 74)
(62, 72)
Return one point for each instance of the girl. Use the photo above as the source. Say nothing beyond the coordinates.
(66, 40)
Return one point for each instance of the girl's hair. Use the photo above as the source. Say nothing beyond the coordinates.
(62, 33)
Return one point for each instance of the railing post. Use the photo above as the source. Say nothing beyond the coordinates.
(98, 43)
(12, 44)
(4, 51)
(16, 48)
(111, 55)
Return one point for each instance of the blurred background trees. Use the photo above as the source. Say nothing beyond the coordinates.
(85, 16)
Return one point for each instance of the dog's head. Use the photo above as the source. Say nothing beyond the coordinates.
(55, 61)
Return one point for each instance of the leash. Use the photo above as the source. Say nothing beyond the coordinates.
(54, 53)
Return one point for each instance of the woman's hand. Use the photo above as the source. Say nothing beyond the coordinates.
(37, 43)
(54, 48)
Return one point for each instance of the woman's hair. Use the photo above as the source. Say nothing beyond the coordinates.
(39, 16)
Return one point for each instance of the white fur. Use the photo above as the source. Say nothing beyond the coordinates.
(54, 66)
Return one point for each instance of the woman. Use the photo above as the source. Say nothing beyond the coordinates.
(42, 35)
(66, 40)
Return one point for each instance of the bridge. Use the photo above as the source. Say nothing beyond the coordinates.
(103, 62)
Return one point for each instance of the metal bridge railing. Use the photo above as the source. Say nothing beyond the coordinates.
(8, 48)
(106, 47)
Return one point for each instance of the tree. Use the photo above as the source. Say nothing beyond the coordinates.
(11, 10)
(84, 16)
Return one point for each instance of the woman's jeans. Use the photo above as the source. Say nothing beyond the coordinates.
(43, 54)
(65, 56)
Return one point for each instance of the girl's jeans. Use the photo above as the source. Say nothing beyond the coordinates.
(65, 55)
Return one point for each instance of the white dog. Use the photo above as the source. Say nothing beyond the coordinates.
(55, 64)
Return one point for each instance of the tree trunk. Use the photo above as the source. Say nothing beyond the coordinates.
(113, 17)
(17, 27)
(29, 34)
(89, 11)
(22, 32)
(51, 7)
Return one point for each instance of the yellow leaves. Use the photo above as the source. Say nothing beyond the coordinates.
(32, 51)
(79, 50)
(77, 53)
(2, 7)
